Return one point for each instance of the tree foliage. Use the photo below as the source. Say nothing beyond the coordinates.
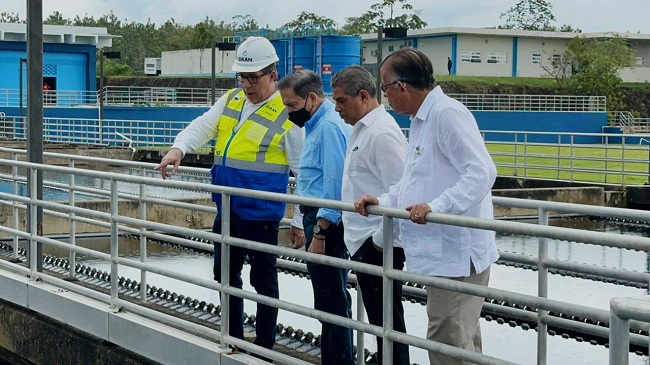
(385, 14)
(591, 67)
(306, 19)
(529, 15)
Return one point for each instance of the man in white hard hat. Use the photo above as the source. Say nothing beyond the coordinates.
(255, 147)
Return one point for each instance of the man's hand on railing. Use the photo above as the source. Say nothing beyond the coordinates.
(173, 157)
(297, 237)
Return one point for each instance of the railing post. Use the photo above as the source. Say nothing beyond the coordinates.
(619, 339)
(542, 290)
(387, 344)
(360, 335)
(72, 260)
(33, 224)
(571, 159)
(114, 244)
(16, 217)
(225, 268)
(143, 238)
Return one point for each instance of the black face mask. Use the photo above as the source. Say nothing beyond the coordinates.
(301, 116)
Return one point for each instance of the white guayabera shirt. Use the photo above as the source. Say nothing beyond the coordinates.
(374, 161)
(448, 168)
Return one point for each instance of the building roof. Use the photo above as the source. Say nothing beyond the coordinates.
(510, 33)
(97, 36)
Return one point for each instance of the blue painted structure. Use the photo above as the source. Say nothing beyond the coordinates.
(71, 66)
(569, 122)
(324, 54)
(515, 55)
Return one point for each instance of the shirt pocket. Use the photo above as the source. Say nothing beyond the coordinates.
(423, 162)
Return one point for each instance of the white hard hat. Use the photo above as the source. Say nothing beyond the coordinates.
(254, 54)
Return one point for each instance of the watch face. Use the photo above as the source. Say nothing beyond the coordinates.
(317, 229)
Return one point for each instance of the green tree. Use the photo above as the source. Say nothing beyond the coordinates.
(529, 15)
(243, 23)
(57, 18)
(10, 18)
(592, 66)
(310, 20)
(369, 21)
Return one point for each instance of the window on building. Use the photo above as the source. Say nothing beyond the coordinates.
(557, 59)
(536, 58)
(497, 57)
(470, 56)
(638, 61)
(391, 48)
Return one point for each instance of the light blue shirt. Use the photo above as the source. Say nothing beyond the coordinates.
(322, 158)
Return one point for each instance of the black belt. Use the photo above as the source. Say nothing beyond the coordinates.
(305, 209)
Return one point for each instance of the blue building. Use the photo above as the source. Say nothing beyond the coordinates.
(69, 56)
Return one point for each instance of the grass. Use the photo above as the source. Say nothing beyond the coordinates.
(584, 163)
(516, 81)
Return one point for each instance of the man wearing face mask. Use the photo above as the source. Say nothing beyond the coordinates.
(255, 146)
(320, 176)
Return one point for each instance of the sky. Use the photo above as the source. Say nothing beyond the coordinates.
(589, 15)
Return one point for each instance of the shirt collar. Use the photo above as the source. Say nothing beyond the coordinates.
(427, 104)
(322, 109)
(373, 115)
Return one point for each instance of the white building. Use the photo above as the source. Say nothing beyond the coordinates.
(197, 62)
(500, 52)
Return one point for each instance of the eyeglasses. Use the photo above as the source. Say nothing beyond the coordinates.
(385, 87)
(252, 79)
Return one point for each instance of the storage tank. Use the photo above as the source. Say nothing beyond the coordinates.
(325, 55)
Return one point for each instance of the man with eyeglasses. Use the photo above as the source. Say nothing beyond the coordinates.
(255, 147)
(373, 163)
(448, 171)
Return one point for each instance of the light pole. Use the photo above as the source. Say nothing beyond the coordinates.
(111, 55)
(391, 32)
(223, 46)
(20, 83)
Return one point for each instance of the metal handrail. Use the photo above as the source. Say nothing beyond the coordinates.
(119, 222)
(176, 96)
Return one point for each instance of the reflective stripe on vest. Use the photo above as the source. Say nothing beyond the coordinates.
(257, 123)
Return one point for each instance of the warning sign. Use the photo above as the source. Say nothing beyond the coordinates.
(326, 69)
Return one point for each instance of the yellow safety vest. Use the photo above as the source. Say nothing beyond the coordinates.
(250, 157)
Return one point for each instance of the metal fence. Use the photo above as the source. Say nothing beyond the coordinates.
(146, 227)
(171, 96)
(61, 98)
(622, 159)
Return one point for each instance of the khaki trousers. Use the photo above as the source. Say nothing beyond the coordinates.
(454, 318)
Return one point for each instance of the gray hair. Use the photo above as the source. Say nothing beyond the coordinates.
(303, 82)
(353, 79)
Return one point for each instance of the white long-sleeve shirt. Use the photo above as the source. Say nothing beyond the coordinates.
(448, 168)
(373, 162)
(204, 128)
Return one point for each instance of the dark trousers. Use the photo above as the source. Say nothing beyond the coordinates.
(372, 293)
(330, 294)
(263, 276)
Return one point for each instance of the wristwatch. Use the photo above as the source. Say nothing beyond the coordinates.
(320, 230)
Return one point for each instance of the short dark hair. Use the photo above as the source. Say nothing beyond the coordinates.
(353, 79)
(303, 82)
(411, 66)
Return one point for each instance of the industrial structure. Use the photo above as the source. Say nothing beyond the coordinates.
(501, 52)
(69, 56)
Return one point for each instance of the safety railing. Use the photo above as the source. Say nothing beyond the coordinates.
(174, 96)
(51, 98)
(145, 227)
(159, 96)
(605, 158)
(542, 103)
